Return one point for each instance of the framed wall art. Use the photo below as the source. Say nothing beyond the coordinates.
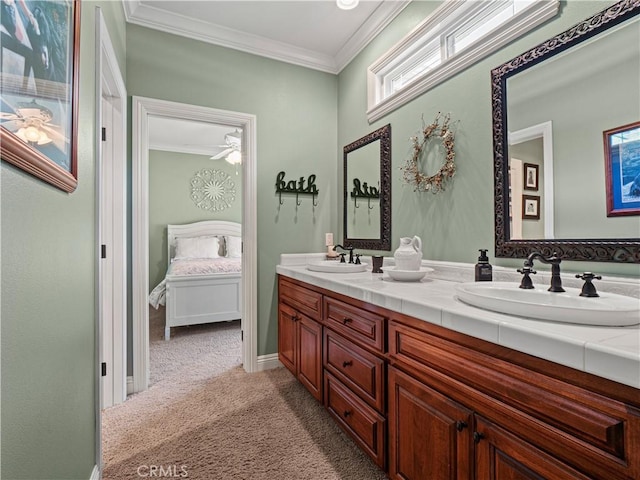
(530, 207)
(39, 88)
(622, 169)
(530, 176)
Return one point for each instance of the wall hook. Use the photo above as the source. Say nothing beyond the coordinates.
(300, 187)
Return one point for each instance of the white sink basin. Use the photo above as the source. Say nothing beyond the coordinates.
(608, 309)
(334, 266)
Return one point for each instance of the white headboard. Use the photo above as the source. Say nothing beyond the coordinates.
(199, 229)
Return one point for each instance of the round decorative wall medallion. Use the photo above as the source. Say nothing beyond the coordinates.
(212, 190)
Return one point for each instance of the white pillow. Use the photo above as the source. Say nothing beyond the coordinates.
(197, 247)
(234, 246)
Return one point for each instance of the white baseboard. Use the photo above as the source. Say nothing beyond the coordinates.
(95, 474)
(267, 362)
(130, 385)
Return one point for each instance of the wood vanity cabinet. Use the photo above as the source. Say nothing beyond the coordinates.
(300, 336)
(463, 408)
(354, 376)
(428, 403)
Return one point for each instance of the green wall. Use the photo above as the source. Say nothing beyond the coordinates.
(296, 110)
(170, 201)
(48, 300)
(453, 224)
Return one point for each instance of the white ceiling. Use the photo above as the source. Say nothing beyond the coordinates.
(311, 33)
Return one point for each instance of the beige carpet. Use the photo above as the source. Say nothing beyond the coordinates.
(213, 347)
(198, 424)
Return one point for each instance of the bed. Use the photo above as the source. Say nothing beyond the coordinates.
(204, 275)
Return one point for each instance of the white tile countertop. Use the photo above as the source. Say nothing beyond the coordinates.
(609, 352)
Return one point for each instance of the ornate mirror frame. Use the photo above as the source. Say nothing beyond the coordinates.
(600, 250)
(383, 135)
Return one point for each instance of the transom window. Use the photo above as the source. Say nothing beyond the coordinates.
(457, 35)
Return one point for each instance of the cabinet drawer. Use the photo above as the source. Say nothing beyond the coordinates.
(307, 301)
(559, 417)
(363, 327)
(360, 370)
(366, 426)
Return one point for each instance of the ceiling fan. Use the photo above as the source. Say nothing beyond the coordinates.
(232, 148)
(30, 121)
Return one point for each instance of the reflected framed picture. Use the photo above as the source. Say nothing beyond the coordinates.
(530, 176)
(39, 49)
(530, 207)
(622, 169)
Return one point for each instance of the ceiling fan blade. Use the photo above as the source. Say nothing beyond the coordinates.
(54, 134)
(222, 154)
(10, 116)
(12, 125)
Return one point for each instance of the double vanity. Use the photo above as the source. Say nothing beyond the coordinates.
(431, 387)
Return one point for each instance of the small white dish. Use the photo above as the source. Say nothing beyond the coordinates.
(407, 275)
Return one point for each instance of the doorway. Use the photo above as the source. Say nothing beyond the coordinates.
(144, 109)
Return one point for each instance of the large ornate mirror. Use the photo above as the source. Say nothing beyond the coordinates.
(367, 191)
(551, 107)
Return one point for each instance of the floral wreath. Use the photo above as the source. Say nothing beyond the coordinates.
(412, 174)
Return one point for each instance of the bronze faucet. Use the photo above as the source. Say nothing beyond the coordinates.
(554, 261)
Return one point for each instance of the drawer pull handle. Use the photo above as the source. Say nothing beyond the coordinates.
(346, 413)
(460, 425)
(295, 318)
(346, 320)
(477, 436)
(347, 363)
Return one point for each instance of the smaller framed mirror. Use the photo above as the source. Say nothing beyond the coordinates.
(367, 191)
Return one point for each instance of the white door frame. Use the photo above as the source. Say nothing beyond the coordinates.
(142, 109)
(110, 229)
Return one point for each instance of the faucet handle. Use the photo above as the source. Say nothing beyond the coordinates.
(342, 260)
(526, 282)
(589, 289)
(357, 260)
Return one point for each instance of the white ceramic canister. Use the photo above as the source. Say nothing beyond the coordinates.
(408, 256)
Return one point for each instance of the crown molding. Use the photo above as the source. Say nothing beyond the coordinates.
(150, 17)
(384, 15)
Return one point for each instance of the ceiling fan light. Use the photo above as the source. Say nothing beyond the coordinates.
(347, 4)
(234, 158)
(44, 139)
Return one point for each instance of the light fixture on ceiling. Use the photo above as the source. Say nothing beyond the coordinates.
(347, 4)
(234, 158)
(232, 152)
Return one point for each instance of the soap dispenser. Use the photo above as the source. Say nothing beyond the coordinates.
(484, 271)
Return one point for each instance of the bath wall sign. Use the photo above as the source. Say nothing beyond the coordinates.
(363, 190)
(301, 186)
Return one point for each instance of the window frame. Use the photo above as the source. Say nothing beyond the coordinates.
(446, 19)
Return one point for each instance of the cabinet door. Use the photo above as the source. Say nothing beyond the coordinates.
(310, 355)
(501, 455)
(429, 434)
(287, 318)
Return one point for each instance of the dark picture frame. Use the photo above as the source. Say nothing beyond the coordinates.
(530, 177)
(530, 207)
(622, 169)
(39, 72)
